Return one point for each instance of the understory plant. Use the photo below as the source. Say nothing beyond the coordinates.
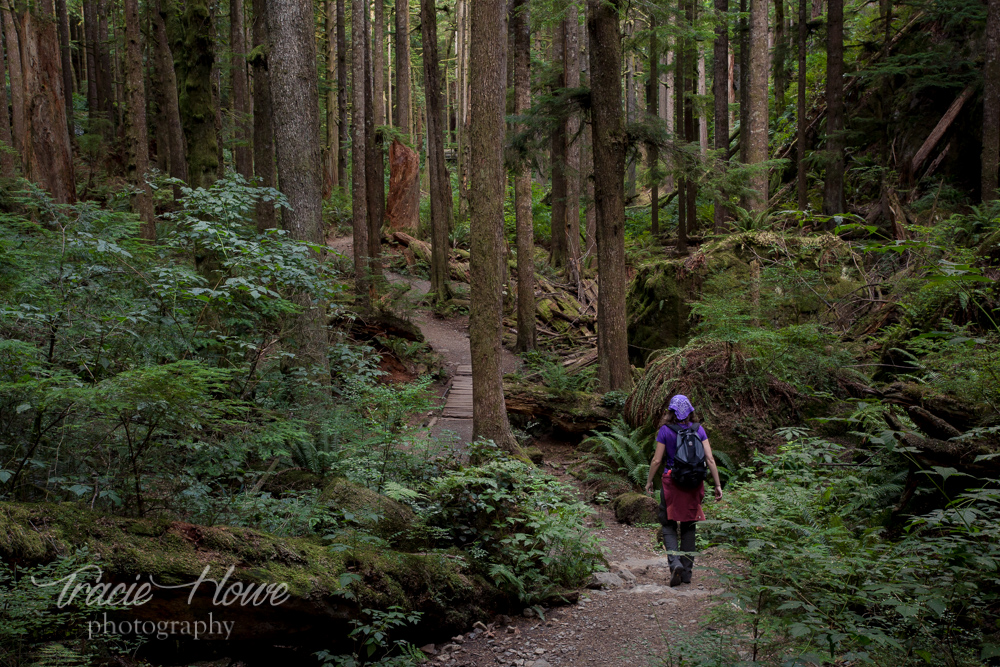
(821, 581)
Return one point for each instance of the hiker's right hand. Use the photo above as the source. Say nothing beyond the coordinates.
(718, 493)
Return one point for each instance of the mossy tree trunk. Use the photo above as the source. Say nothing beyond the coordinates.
(7, 150)
(263, 127)
(240, 102)
(402, 112)
(756, 135)
(374, 160)
(833, 187)
(557, 151)
(166, 83)
(488, 66)
(15, 70)
(194, 58)
(359, 201)
(720, 89)
(571, 67)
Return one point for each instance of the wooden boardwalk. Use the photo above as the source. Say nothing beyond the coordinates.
(459, 404)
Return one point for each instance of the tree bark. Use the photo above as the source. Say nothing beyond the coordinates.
(833, 186)
(295, 101)
(720, 89)
(67, 63)
(756, 135)
(571, 63)
(263, 121)
(557, 151)
(135, 122)
(800, 114)
(342, 124)
(194, 52)
(691, 62)
(48, 155)
(242, 152)
(7, 150)
(166, 77)
(609, 192)
(359, 196)
(403, 94)
(778, 64)
(991, 103)
(403, 209)
(16, 72)
(653, 110)
(90, 44)
(487, 133)
(526, 329)
(441, 201)
(680, 86)
(105, 83)
(374, 162)
(744, 77)
(331, 176)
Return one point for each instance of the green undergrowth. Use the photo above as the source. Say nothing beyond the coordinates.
(822, 579)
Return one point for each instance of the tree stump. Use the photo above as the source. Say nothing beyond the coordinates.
(403, 211)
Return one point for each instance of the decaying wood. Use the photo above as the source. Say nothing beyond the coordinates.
(935, 136)
(573, 419)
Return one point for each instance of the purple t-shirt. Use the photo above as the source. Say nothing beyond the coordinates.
(667, 436)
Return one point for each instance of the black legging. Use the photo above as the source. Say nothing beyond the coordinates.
(670, 541)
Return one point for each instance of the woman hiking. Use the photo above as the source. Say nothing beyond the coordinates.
(680, 503)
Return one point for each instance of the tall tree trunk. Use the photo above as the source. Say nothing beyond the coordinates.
(778, 64)
(135, 122)
(167, 84)
(557, 152)
(263, 125)
(571, 63)
(374, 161)
(440, 184)
(7, 150)
(359, 192)
(609, 172)
(331, 176)
(653, 110)
(295, 102)
(702, 94)
(67, 63)
(402, 114)
(342, 93)
(744, 31)
(488, 60)
(991, 103)
(16, 72)
(681, 76)
(720, 89)
(691, 79)
(800, 114)
(521, 50)
(833, 187)
(243, 153)
(90, 41)
(194, 51)
(630, 112)
(587, 175)
(48, 155)
(756, 135)
(105, 82)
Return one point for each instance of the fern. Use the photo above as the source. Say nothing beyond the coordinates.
(626, 451)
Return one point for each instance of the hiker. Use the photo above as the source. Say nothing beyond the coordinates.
(683, 487)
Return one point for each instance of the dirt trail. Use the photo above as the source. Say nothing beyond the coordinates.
(629, 621)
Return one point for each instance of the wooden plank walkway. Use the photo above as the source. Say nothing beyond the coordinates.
(459, 404)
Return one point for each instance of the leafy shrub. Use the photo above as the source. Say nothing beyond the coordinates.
(819, 581)
(524, 528)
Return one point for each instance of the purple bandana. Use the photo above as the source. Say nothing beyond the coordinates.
(681, 406)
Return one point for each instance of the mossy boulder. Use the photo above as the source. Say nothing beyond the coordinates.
(633, 508)
(370, 510)
(327, 587)
(534, 454)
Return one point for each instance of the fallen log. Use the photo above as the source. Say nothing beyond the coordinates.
(939, 130)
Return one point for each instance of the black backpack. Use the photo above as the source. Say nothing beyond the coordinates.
(689, 462)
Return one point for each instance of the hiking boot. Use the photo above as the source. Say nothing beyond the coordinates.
(676, 575)
(686, 578)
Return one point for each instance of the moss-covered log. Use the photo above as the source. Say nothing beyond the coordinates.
(321, 599)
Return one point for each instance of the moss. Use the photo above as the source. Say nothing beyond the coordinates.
(435, 584)
(373, 511)
(633, 508)
(534, 454)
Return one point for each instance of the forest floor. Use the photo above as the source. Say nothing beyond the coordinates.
(631, 620)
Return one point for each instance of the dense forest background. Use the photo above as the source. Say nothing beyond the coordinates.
(223, 228)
